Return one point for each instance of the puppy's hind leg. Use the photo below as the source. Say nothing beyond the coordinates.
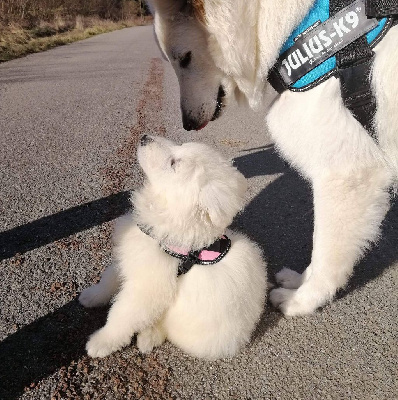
(150, 337)
(349, 209)
(100, 294)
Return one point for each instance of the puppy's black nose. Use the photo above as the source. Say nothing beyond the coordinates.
(145, 140)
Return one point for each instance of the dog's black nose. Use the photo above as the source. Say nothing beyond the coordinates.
(189, 123)
(145, 140)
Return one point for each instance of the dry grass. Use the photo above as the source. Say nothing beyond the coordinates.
(16, 41)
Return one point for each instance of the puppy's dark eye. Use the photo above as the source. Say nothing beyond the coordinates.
(174, 162)
(185, 60)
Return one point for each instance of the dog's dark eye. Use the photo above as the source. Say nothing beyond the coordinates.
(172, 162)
(185, 60)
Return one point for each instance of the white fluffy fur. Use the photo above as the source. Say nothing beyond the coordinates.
(349, 172)
(187, 202)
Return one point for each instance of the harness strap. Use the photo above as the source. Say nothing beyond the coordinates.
(357, 93)
(354, 63)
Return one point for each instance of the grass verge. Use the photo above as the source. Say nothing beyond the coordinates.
(17, 42)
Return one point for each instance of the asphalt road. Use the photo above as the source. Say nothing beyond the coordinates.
(69, 123)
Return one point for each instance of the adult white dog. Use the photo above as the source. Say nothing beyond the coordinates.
(185, 205)
(223, 48)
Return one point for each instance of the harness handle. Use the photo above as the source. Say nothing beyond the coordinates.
(381, 8)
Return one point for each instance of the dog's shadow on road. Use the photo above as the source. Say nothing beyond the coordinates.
(280, 218)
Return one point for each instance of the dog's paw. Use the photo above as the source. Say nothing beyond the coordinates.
(148, 339)
(93, 297)
(289, 279)
(103, 342)
(290, 302)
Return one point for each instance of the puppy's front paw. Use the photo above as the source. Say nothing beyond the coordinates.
(288, 278)
(93, 297)
(149, 338)
(104, 342)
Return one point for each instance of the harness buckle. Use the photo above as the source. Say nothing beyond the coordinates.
(191, 259)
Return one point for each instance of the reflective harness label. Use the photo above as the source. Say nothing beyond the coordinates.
(323, 41)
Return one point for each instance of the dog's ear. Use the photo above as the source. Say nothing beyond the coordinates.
(223, 201)
(151, 6)
(166, 7)
(171, 7)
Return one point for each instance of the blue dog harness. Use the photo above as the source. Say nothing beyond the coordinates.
(336, 38)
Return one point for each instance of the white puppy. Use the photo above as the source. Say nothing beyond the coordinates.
(190, 197)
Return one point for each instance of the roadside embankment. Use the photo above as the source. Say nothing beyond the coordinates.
(17, 41)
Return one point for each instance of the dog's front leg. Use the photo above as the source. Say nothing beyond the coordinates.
(136, 307)
(349, 209)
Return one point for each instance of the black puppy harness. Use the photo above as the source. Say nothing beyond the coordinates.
(207, 256)
(336, 38)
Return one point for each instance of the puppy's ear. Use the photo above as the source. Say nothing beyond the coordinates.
(223, 201)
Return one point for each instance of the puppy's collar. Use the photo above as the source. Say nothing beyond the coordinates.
(207, 256)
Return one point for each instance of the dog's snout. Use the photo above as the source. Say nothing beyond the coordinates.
(145, 140)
